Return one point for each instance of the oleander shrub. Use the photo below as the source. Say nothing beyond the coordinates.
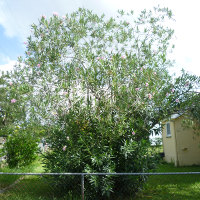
(89, 144)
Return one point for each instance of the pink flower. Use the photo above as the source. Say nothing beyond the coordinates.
(167, 94)
(102, 58)
(154, 73)
(28, 53)
(38, 65)
(177, 100)
(13, 100)
(98, 58)
(65, 93)
(149, 96)
(173, 90)
(64, 148)
(133, 133)
(64, 17)
(55, 13)
(147, 84)
(141, 69)
(25, 43)
(10, 83)
(43, 16)
(123, 57)
(137, 89)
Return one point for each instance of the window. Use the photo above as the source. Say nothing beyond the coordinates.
(168, 130)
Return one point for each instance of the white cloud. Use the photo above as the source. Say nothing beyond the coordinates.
(187, 31)
(4, 58)
(17, 16)
(8, 67)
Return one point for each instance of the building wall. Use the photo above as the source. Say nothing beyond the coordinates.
(188, 144)
(169, 144)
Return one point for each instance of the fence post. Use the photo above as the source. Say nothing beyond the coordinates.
(82, 186)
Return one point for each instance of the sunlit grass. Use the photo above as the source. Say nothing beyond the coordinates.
(6, 180)
(178, 187)
(29, 187)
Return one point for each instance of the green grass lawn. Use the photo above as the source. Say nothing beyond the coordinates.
(158, 187)
(29, 187)
(176, 187)
(34, 188)
(6, 180)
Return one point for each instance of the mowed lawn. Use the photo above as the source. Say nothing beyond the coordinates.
(172, 187)
(158, 187)
(29, 187)
(6, 180)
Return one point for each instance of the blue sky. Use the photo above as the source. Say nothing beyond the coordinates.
(10, 47)
(17, 16)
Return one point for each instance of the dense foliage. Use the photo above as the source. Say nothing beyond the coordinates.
(98, 87)
(88, 144)
(11, 111)
(20, 149)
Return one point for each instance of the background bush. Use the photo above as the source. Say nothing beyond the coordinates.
(21, 149)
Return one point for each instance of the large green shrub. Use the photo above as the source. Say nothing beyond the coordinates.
(20, 149)
(89, 144)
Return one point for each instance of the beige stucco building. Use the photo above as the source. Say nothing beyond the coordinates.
(180, 144)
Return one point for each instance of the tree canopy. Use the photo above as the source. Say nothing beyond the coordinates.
(121, 63)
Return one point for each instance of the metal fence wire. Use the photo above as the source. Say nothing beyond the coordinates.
(57, 186)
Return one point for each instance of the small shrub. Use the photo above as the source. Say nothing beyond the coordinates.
(20, 149)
